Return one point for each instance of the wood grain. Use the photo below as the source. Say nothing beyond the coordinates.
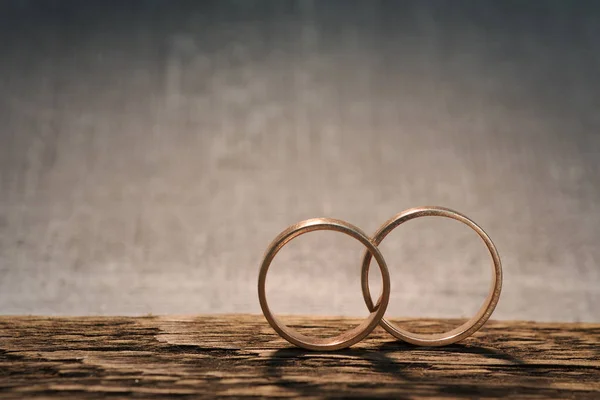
(240, 355)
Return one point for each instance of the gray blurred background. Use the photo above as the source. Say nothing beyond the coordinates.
(151, 150)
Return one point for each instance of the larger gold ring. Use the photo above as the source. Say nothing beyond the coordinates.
(349, 337)
(469, 327)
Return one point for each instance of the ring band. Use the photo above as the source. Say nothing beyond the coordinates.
(351, 336)
(469, 327)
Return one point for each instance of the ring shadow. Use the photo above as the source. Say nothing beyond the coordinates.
(378, 360)
(486, 352)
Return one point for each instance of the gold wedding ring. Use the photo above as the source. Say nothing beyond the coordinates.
(469, 327)
(377, 310)
(349, 337)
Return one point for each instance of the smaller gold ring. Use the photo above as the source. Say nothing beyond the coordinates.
(469, 327)
(349, 337)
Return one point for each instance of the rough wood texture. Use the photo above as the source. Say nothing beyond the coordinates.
(240, 355)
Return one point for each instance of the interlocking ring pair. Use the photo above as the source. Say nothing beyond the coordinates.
(377, 310)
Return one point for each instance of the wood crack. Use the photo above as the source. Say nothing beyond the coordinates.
(241, 356)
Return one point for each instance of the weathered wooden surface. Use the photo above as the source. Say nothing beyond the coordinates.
(240, 355)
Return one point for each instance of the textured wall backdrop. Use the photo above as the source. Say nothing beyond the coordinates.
(150, 151)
